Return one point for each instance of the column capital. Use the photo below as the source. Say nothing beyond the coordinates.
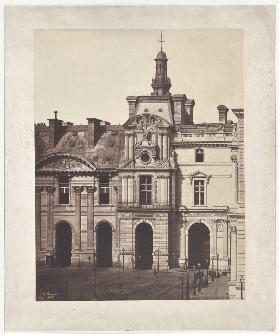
(78, 189)
(50, 189)
(233, 229)
(39, 189)
(91, 189)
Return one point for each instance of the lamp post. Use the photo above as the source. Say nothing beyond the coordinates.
(186, 263)
(194, 280)
(206, 280)
(187, 285)
(119, 278)
(241, 286)
(158, 263)
(182, 285)
(199, 277)
(217, 270)
(212, 265)
(94, 276)
(123, 257)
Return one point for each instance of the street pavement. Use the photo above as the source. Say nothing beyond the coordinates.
(70, 283)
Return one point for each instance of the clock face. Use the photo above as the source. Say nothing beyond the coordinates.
(145, 158)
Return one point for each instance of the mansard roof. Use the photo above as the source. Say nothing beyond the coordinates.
(105, 154)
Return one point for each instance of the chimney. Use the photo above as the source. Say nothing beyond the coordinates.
(189, 109)
(94, 130)
(132, 101)
(56, 130)
(223, 111)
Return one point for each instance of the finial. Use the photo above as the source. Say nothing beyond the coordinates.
(55, 113)
(161, 40)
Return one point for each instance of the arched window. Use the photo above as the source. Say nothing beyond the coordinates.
(199, 155)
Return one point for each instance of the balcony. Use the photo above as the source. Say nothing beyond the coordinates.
(137, 206)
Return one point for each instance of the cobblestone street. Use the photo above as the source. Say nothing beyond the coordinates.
(70, 283)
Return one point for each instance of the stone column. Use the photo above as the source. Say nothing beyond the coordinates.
(50, 191)
(187, 244)
(126, 146)
(130, 189)
(131, 146)
(124, 189)
(225, 239)
(78, 190)
(233, 253)
(182, 242)
(90, 216)
(234, 160)
(38, 190)
(213, 238)
(165, 146)
(160, 145)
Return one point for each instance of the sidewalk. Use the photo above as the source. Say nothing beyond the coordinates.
(215, 290)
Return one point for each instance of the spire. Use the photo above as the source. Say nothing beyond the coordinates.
(161, 41)
(161, 83)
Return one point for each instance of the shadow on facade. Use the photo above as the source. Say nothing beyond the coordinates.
(144, 246)
(63, 246)
(199, 245)
(104, 245)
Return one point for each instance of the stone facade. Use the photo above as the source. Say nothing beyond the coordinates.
(159, 191)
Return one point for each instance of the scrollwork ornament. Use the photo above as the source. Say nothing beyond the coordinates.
(50, 189)
(78, 189)
(91, 189)
(39, 189)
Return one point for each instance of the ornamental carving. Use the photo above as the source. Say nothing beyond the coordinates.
(91, 189)
(50, 189)
(146, 122)
(220, 226)
(78, 189)
(39, 189)
(64, 162)
(233, 229)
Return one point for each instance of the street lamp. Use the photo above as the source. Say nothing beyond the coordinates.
(199, 277)
(217, 271)
(207, 265)
(123, 257)
(241, 286)
(187, 285)
(158, 263)
(212, 265)
(94, 276)
(186, 263)
(194, 280)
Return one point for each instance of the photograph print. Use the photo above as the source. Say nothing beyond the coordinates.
(139, 174)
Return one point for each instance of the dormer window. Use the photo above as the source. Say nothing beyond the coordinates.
(199, 155)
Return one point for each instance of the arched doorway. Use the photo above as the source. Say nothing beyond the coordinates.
(199, 245)
(104, 245)
(144, 246)
(63, 244)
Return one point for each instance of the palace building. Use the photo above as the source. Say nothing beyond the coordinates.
(157, 189)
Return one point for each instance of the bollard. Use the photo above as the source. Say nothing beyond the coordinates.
(66, 288)
(182, 285)
(212, 273)
(194, 281)
(187, 286)
(199, 278)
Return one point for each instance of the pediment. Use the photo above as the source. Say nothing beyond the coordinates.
(58, 162)
(146, 122)
(199, 175)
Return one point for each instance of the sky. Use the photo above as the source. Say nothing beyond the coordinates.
(89, 73)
